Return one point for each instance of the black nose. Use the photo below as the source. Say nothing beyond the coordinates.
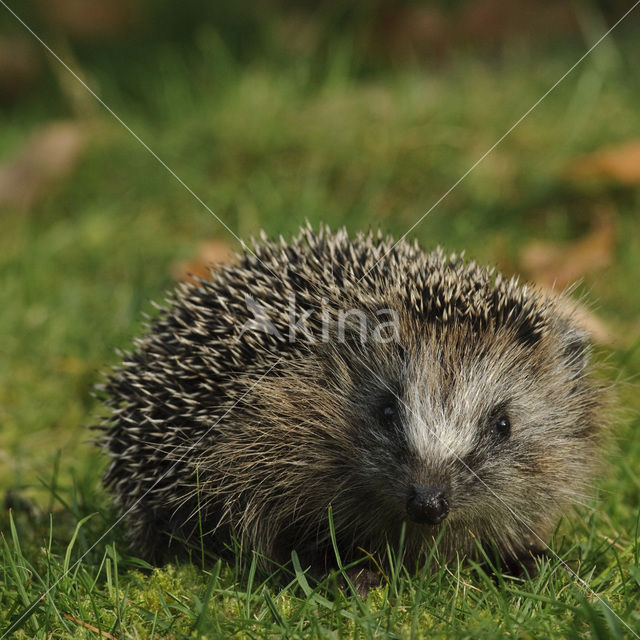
(427, 505)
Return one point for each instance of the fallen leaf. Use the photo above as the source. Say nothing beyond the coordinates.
(209, 254)
(51, 153)
(619, 164)
(597, 329)
(558, 266)
(90, 627)
(554, 267)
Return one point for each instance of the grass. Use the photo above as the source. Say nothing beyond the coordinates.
(267, 146)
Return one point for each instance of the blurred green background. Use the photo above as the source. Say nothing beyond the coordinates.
(361, 114)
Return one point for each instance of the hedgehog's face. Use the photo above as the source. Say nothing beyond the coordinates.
(486, 433)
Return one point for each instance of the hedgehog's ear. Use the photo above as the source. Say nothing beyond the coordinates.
(575, 346)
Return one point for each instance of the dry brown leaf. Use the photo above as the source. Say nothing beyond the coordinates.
(597, 329)
(558, 266)
(554, 267)
(50, 154)
(619, 164)
(209, 254)
(90, 627)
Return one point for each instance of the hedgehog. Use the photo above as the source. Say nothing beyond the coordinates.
(338, 397)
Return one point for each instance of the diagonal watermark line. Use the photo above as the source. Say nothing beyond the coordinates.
(583, 583)
(499, 141)
(36, 602)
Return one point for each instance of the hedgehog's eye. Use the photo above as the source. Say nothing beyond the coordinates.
(389, 411)
(502, 427)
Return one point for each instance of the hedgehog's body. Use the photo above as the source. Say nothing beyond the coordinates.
(429, 390)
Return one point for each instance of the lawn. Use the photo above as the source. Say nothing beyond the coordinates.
(268, 144)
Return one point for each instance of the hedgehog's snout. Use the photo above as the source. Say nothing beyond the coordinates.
(427, 505)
